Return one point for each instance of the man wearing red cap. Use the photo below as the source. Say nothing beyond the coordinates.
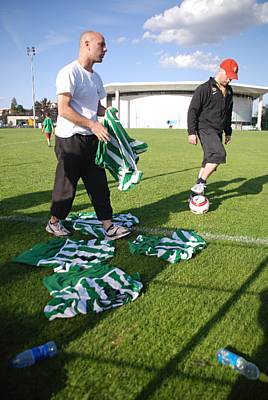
(209, 115)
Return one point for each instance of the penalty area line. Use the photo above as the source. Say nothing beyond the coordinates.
(155, 231)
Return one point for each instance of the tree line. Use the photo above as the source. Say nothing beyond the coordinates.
(41, 108)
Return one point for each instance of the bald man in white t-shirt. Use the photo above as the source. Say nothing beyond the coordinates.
(79, 91)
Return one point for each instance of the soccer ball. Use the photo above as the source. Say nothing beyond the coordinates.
(199, 204)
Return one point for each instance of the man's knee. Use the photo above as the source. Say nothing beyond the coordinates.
(221, 156)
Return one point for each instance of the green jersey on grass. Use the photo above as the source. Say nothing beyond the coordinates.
(65, 254)
(120, 154)
(98, 288)
(88, 223)
(181, 246)
(83, 280)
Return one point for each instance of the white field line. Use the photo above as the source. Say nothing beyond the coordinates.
(156, 231)
(205, 235)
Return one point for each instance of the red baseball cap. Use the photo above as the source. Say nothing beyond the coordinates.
(230, 66)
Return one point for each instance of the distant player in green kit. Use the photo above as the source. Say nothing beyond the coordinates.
(48, 128)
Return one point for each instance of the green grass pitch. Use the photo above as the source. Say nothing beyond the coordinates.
(163, 345)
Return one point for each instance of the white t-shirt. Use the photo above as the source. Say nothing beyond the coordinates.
(86, 89)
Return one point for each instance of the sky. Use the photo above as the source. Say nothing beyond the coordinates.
(147, 41)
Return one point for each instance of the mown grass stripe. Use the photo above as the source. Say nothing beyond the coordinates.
(19, 143)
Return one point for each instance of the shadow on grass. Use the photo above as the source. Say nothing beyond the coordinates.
(168, 173)
(171, 367)
(11, 274)
(123, 364)
(157, 213)
(47, 377)
(44, 378)
(10, 205)
(255, 389)
(252, 186)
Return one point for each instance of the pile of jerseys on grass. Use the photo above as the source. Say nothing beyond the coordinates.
(83, 278)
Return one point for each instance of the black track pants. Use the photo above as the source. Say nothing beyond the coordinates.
(76, 159)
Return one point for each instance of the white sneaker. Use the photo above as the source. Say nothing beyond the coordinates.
(116, 232)
(57, 229)
(198, 188)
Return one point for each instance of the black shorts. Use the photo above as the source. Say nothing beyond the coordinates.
(214, 151)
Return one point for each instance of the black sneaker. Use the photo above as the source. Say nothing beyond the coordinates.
(116, 232)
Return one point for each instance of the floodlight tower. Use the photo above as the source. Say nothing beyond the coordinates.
(31, 53)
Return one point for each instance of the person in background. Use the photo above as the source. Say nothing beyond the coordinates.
(48, 128)
(79, 91)
(209, 115)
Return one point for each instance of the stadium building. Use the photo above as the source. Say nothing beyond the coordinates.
(165, 104)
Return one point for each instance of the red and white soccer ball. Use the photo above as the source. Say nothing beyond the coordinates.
(199, 204)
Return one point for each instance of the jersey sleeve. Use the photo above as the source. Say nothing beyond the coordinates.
(228, 125)
(228, 122)
(65, 82)
(100, 87)
(194, 111)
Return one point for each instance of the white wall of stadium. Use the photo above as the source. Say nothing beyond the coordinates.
(163, 111)
(143, 105)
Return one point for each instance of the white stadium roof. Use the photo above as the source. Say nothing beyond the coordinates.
(187, 86)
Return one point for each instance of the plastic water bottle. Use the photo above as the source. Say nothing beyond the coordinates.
(31, 356)
(239, 364)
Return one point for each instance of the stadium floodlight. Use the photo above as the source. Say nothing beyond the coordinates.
(31, 53)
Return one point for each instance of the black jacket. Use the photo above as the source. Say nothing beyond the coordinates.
(209, 109)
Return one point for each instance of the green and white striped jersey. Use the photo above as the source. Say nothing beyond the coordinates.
(120, 154)
(83, 280)
(181, 246)
(65, 255)
(98, 288)
(88, 223)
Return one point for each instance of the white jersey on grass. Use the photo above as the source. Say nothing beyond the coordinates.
(120, 154)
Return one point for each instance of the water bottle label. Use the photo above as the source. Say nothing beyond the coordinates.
(40, 352)
(226, 357)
